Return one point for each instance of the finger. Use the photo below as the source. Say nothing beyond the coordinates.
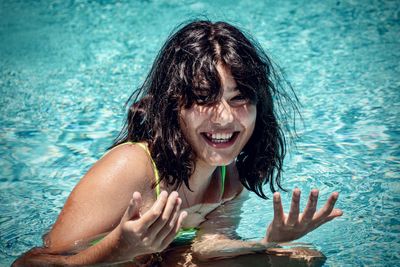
(328, 207)
(155, 212)
(171, 236)
(170, 225)
(294, 208)
(311, 207)
(335, 213)
(165, 216)
(278, 210)
(132, 212)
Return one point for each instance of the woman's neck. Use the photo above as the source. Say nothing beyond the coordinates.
(199, 183)
(201, 176)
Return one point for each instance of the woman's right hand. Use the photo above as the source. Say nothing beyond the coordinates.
(154, 230)
(137, 234)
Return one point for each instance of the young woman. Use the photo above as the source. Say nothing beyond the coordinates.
(202, 130)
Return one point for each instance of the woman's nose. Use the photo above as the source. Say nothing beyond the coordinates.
(222, 113)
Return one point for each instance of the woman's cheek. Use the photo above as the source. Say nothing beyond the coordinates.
(246, 114)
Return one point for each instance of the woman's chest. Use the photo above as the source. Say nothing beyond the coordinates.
(197, 214)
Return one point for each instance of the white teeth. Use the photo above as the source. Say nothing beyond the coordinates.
(219, 137)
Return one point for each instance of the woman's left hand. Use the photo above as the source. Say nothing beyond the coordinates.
(285, 227)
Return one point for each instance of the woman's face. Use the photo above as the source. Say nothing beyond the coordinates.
(218, 132)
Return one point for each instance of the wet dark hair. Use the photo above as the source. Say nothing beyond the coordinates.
(184, 72)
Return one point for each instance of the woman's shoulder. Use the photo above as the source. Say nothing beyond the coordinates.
(127, 164)
(126, 152)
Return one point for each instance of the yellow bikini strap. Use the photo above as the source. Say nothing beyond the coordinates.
(156, 175)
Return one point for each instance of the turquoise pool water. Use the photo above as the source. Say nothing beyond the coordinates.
(67, 68)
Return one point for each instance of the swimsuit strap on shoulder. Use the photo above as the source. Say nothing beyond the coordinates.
(156, 175)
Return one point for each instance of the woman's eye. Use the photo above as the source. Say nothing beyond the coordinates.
(203, 100)
(239, 100)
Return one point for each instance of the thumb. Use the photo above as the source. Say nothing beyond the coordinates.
(132, 212)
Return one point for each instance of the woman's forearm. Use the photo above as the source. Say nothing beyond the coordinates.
(40, 257)
(109, 250)
(215, 246)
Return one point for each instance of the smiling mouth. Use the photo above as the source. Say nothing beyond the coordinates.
(220, 140)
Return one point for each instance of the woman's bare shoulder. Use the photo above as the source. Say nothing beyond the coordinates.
(130, 160)
(126, 167)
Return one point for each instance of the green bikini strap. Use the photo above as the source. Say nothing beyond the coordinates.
(223, 174)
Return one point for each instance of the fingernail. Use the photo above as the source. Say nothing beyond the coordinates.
(337, 212)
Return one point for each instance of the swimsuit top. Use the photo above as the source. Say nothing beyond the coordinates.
(185, 234)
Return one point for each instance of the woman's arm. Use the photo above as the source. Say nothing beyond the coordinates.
(97, 204)
(216, 238)
(108, 250)
(136, 235)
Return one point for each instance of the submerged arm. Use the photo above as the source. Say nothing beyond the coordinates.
(136, 237)
(217, 236)
(108, 250)
(216, 239)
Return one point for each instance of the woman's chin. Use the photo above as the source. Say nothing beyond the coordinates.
(219, 161)
(217, 158)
